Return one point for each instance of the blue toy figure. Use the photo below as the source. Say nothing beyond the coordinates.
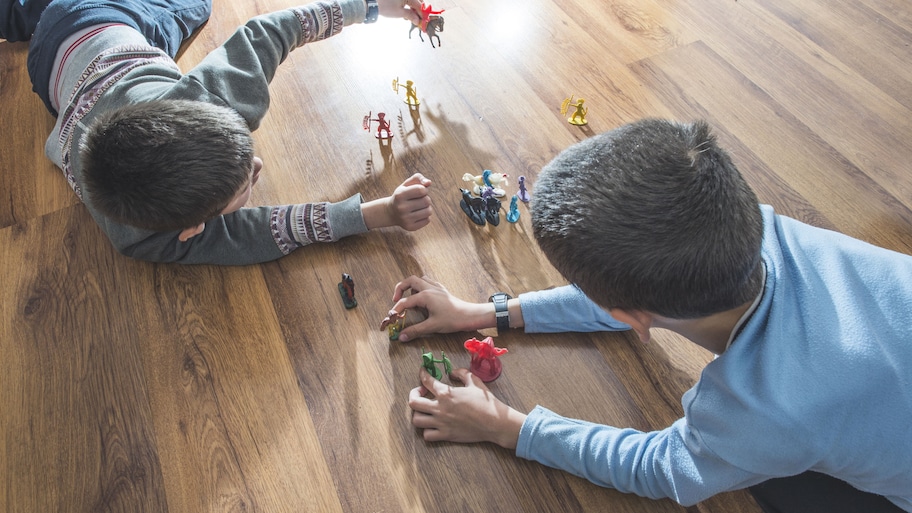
(513, 214)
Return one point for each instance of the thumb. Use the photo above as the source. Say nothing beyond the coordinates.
(416, 179)
(412, 332)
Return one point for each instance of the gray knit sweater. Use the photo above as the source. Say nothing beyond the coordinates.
(117, 67)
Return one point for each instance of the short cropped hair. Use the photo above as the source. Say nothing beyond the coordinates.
(166, 165)
(651, 216)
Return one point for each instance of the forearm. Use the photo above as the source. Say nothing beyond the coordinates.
(248, 236)
(238, 73)
(657, 464)
(564, 309)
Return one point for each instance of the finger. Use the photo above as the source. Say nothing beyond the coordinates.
(415, 179)
(404, 286)
(468, 379)
(433, 385)
(418, 213)
(417, 225)
(415, 8)
(434, 435)
(417, 330)
(418, 391)
(427, 279)
(412, 192)
(424, 421)
(421, 404)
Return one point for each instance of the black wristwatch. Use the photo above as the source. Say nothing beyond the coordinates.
(500, 310)
(373, 11)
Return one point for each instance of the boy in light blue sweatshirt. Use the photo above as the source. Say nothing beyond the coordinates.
(809, 401)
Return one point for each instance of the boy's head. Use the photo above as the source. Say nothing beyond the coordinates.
(166, 165)
(651, 216)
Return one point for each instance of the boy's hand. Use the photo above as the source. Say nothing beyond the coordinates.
(408, 9)
(408, 207)
(444, 312)
(463, 414)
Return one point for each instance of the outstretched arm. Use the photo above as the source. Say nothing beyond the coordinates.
(237, 74)
(562, 309)
(445, 312)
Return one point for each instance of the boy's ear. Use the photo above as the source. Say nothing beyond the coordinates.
(188, 233)
(639, 320)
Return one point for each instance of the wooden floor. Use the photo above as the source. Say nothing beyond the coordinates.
(128, 386)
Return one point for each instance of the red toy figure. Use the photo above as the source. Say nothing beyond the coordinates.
(431, 23)
(426, 11)
(382, 124)
(485, 363)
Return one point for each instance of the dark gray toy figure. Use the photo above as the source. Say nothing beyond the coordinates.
(473, 206)
(347, 291)
(492, 206)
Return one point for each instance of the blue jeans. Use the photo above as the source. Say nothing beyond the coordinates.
(812, 492)
(164, 23)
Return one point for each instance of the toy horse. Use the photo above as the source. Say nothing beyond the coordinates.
(485, 363)
(431, 24)
(496, 181)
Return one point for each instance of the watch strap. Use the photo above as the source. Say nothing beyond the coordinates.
(501, 312)
(373, 11)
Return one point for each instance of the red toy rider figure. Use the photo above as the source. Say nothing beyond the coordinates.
(426, 11)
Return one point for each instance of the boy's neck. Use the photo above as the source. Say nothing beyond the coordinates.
(711, 333)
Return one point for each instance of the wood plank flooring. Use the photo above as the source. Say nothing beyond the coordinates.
(129, 386)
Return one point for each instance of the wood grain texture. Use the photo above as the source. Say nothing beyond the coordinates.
(130, 386)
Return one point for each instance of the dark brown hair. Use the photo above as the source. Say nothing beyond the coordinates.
(166, 165)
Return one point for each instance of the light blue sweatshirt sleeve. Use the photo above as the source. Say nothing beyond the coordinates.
(670, 463)
(565, 309)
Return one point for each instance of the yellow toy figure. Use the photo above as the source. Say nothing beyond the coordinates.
(579, 115)
(394, 322)
(411, 98)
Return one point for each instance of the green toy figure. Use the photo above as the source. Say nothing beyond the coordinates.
(428, 363)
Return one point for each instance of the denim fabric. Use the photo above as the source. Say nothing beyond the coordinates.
(164, 23)
(19, 17)
(812, 492)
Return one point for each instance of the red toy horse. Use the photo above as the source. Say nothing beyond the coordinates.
(485, 363)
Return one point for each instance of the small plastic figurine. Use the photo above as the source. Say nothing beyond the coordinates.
(513, 213)
(488, 178)
(382, 124)
(473, 206)
(492, 206)
(428, 361)
(347, 290)
(524, 195)
(431, 24)
(394, 322)
(579, 114)
(485, 363)
(411, 98)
